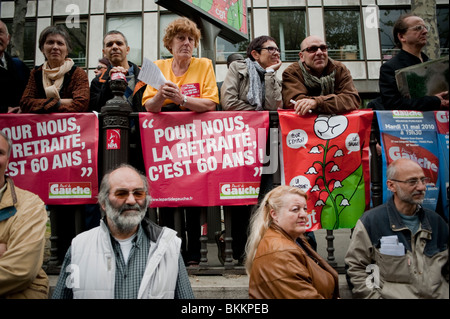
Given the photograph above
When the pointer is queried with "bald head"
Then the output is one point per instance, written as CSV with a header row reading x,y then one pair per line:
x,y
314,54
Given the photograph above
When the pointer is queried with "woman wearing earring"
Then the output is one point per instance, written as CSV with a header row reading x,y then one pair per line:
x,y
280,262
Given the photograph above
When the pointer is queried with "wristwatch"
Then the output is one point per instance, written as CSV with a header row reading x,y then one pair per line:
x,y
184,100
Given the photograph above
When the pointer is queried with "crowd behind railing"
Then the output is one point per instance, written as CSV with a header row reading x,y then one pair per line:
x,y
316,84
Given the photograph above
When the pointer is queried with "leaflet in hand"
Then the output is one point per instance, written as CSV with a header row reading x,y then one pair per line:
x,y
151,74
391,246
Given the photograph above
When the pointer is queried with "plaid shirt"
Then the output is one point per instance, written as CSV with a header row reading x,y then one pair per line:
x,y
128,276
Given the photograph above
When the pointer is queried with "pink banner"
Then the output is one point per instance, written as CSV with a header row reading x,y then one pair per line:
x,y
54,155
203,159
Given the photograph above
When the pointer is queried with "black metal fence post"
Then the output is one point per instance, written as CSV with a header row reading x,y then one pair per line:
x,y
115,127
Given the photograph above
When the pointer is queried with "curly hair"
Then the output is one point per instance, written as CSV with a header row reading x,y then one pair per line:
x,y
181,25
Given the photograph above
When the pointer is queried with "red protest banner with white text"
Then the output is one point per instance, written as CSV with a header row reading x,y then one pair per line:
x,y
54,155
328,157
203,159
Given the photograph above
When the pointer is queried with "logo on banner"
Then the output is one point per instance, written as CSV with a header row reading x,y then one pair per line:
x,y
239,190
70,190
112,139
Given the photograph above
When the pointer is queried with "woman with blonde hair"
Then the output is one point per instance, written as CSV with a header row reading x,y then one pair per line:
x,y
280,262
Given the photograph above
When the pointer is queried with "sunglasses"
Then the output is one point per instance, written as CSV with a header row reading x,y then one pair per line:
x,y
124,193
99,67
314,48
271,49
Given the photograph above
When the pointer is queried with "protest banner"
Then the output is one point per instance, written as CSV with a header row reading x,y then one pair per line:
x,y
54,155
327,156
411,134
203,159
442,126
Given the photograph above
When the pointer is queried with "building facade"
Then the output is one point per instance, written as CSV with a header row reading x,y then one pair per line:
x,y
358,32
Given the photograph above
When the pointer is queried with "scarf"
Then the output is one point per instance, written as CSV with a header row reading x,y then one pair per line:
x,y
52,79
256,87
325,83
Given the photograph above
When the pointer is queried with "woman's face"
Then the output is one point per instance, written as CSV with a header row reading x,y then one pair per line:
x,y
292,217
269,55
182,46
55,50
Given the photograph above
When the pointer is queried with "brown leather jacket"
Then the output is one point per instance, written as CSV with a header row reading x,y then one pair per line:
x,y
284,270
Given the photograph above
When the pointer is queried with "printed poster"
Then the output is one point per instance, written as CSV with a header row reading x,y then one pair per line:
x,y
327,156
203,159
442,126
411,134
54,155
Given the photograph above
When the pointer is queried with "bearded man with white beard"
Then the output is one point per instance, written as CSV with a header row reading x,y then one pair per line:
x,y
400,249
127,256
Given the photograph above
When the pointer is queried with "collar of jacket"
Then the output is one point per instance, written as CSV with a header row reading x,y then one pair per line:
x,y
9,201
408,56
396,221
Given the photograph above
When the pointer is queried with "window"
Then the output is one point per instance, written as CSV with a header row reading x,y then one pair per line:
x,y
131,27
224,48
78,42
387,20
343,34
29,42
288,27
442,22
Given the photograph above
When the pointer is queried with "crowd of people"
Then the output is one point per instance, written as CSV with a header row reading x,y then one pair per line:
x,y
129,256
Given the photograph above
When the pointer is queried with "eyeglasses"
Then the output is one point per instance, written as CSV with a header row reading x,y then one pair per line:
x,y
99,67
414,181
419,28
124,193
314,48
271,49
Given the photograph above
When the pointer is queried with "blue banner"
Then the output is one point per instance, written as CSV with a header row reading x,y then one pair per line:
x,y
442,124
413,135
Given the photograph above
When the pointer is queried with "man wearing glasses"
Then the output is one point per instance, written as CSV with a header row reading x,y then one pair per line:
x,y
400,249
127,256
410,35
318,83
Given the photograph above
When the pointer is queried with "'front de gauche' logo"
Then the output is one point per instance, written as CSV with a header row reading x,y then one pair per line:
x,y
239,190
70,190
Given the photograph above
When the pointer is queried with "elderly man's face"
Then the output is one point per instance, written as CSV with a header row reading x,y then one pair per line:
x,y
126,204
314,54
4,38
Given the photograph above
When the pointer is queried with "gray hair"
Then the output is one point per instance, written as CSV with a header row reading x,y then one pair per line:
x,y
8,140
105,184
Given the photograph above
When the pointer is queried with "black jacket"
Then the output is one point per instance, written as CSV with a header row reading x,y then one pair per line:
x,y
391,96
12,82
101,92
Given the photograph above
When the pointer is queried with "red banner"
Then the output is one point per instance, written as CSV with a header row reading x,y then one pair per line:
x,y
54,155
203,159
328,157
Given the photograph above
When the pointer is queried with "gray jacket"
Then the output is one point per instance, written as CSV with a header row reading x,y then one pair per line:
x,y
422,272
233,93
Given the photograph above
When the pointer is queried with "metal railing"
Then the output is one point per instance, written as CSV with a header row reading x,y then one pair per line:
x,y
116,114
